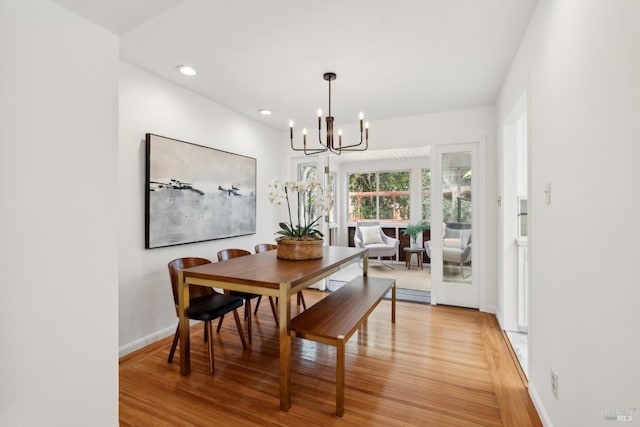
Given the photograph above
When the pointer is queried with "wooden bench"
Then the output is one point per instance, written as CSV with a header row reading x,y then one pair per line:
x,y
335,318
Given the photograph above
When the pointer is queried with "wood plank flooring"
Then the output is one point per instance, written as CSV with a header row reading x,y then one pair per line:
x,y
438,366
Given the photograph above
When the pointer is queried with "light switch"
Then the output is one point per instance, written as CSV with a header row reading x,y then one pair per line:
x,y
547,193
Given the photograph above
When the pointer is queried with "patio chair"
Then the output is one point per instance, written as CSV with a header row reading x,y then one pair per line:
x,y
369,235
456,245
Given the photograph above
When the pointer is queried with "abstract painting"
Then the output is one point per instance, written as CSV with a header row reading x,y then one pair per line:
x,y
196,193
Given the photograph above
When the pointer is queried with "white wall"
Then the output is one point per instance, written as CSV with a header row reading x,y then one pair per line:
x,y
581,63
58,168
151,104
450,127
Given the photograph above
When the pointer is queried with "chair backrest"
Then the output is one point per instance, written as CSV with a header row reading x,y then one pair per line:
x,y
364,224
227,254
180,264
458,231
264,247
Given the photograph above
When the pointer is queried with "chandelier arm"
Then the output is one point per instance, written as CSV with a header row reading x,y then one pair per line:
x,y
352,147
320,139
314,151
308,151
294,148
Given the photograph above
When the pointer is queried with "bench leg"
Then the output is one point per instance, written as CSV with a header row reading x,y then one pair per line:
x,y
340,362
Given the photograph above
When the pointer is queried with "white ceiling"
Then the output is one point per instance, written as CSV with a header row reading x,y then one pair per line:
x,y
393,59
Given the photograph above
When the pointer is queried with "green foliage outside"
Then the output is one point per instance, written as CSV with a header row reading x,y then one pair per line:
x,y
387,199
456,184
414,229
456,208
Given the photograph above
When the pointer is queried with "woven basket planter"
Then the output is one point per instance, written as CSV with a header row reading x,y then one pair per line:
x,y
299,250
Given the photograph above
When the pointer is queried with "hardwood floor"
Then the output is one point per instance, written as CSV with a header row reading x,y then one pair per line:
x,y
439,366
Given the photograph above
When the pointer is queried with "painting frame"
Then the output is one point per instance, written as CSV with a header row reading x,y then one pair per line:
x,y
195,193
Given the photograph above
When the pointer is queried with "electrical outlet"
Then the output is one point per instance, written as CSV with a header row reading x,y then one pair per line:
x,y
554,384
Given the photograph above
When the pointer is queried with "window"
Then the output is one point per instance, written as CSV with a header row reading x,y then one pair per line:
x,y
362,196
379,195
309,172
425,185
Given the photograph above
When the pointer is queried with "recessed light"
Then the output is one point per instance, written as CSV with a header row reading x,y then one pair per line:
x,y
186,70
264,112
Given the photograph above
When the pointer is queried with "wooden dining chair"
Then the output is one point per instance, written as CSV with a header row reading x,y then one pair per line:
x,y
205,304
264,247
225,255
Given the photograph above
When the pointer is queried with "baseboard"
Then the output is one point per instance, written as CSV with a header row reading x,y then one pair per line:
x,y
499,317
514,357
537,402
146,340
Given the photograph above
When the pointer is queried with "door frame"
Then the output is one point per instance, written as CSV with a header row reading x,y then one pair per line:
x,y
450,293
508,291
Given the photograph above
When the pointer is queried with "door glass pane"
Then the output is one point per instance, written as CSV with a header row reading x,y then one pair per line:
x,y
456,214
307,172
426,195
425,192
332,184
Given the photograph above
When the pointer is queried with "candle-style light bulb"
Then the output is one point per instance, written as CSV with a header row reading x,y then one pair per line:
x,y
291,129
304,136
340,137
319,112
366,130
319,120
361,116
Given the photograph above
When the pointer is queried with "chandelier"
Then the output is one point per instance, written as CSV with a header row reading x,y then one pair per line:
x,y
330,143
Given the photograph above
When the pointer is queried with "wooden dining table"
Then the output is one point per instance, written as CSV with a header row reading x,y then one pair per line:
x,y
264,274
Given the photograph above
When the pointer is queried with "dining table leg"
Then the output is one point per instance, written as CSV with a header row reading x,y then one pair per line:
x,y
284,309
365,264
183,306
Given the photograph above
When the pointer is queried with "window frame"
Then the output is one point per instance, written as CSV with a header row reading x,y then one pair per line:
x,y
377,191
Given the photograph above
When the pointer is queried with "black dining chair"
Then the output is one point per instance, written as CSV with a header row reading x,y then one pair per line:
x,y
205,304
264,247
225,255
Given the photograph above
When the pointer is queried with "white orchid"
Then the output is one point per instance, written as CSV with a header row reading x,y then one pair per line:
x,y
310,194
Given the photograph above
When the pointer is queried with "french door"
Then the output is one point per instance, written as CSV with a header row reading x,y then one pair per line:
x,y
455,225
